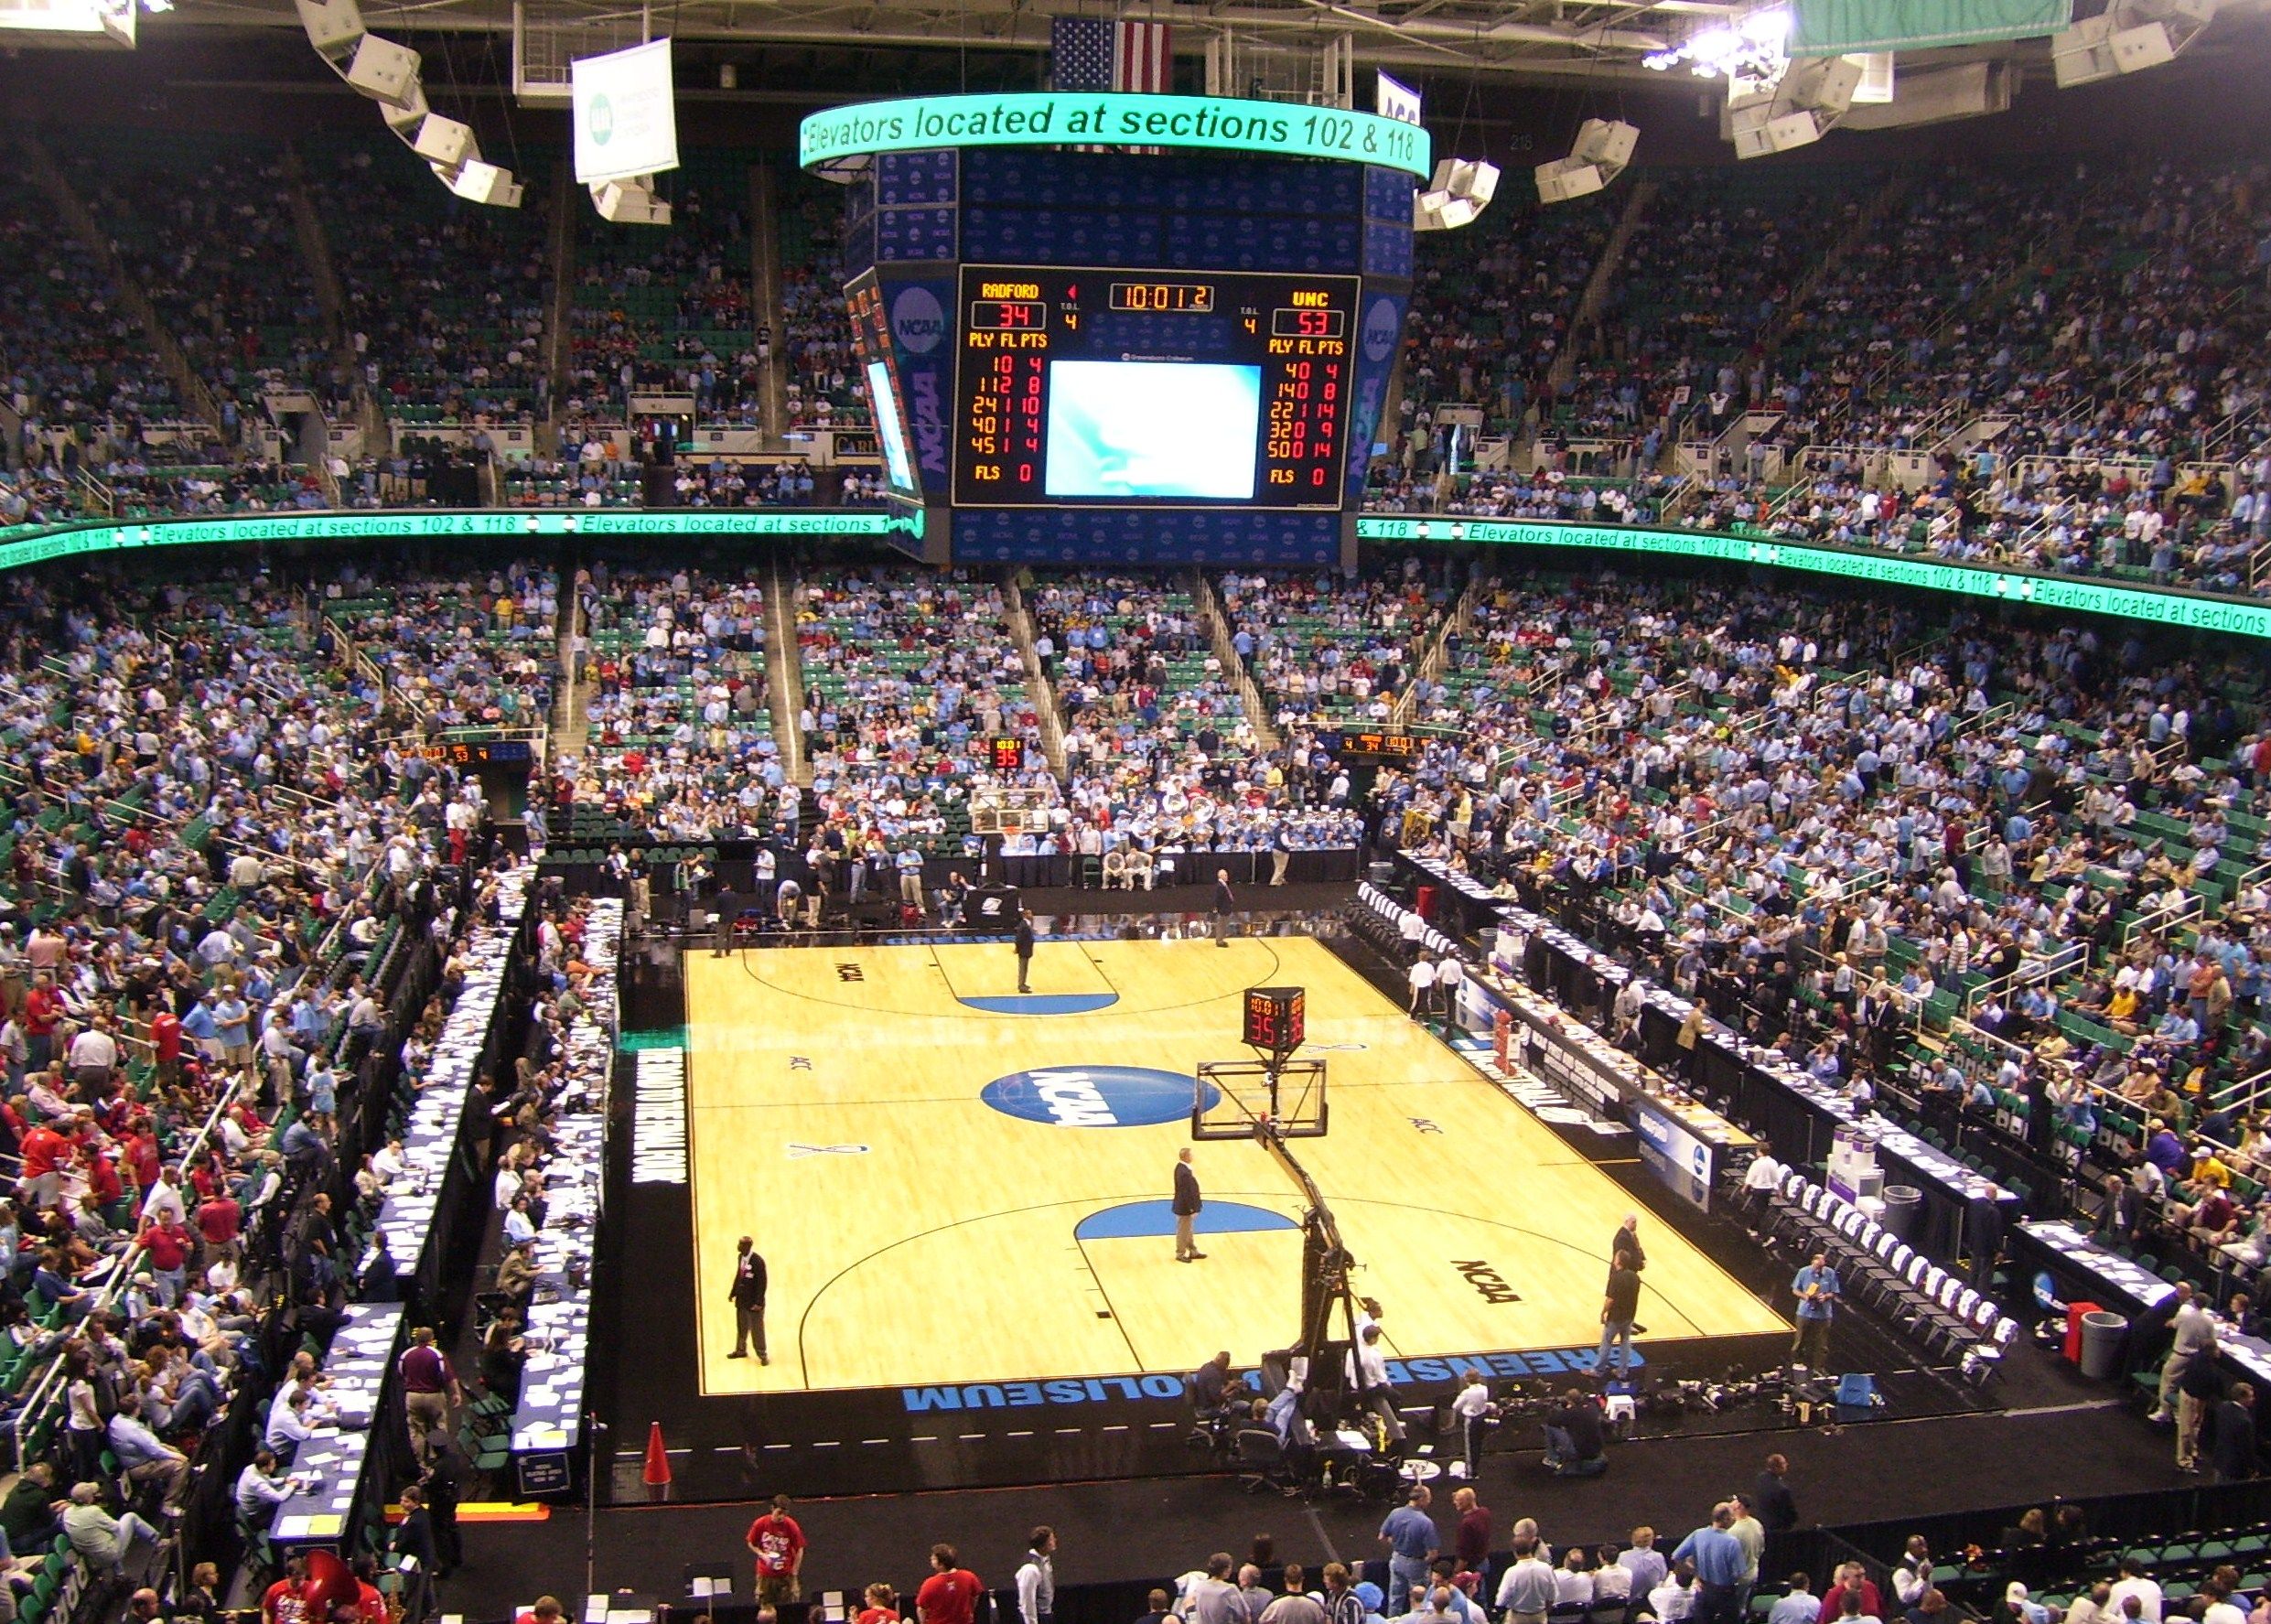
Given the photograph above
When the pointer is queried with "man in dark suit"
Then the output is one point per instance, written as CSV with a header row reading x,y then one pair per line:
x,y
1187,1205
749,1302
1024,941
1778,1507
2233,1453
1224,905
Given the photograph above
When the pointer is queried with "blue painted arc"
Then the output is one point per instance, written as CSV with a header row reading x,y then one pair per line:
x,y
1041,1003
1148,1220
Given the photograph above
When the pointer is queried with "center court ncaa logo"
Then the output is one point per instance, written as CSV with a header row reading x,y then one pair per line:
x,y
917,320
1094,1096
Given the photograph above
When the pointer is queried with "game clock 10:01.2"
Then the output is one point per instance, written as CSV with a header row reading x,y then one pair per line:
x,y
1118,387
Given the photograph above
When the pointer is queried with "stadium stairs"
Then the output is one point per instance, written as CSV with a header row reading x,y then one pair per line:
x,y
40,165
765,278
1595,298
1218,634
784,673
1036,679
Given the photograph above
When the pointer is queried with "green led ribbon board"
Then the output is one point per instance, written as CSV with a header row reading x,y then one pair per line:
x,y
29,544
1067,118
2055,592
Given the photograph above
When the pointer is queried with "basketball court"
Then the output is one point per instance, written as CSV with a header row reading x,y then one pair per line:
x,y
951,1182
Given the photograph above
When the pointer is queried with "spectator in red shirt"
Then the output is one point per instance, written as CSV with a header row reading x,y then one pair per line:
x,y
882,1605
778,1545
950,1595
43,1008
48,1151
167,1244
221,1224
166,1045
545,1611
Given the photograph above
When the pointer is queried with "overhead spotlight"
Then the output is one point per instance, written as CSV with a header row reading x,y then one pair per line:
x,y
1601,153
1459,190
2127,37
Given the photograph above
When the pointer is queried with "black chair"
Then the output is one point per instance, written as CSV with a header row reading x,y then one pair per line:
x,y
1262,1460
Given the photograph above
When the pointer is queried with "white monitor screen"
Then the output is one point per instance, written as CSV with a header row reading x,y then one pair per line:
x,y
1146,429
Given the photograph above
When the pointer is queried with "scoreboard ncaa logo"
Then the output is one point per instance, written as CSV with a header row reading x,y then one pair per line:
x,y
917,320
1379,330
1093,1096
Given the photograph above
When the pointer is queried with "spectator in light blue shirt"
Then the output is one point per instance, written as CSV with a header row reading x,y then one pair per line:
x,y
1721,1563
1801,1605
1412,1541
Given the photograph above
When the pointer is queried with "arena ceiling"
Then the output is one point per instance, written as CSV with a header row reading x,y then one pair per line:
x,y
1542,41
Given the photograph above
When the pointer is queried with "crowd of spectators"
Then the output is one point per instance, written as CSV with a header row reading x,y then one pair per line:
x,y
227,941
1333,652
1836,828
669,311
206,234
445,304
909,678
681,729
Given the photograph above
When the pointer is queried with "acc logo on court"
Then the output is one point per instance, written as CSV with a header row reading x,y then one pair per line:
x,y
1093,1096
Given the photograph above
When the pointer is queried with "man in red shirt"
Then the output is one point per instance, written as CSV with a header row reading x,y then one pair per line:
x,y
221,1221
287,1600
166,1246
43,1008
545,1611
778,1545
950,1595
166,1045
47,1150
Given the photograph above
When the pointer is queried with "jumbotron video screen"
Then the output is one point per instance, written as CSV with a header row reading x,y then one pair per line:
x,y
1170,389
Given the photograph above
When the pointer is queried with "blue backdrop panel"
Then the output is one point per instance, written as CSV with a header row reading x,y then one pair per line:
x,y
1377,336
1154,536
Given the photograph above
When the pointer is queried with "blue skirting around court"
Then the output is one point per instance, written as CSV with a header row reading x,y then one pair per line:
x,y
1143,1219
1043,1003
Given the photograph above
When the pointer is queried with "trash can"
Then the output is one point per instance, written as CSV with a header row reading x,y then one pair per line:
x,y
1423,903
1903,1202
2075,1314
1383,875
2102,1334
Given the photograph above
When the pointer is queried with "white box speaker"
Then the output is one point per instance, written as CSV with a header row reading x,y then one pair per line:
x,y
1606,142
2135,49
333,25
1565,179
383,71
444,142
1776,135
486,183
404,119
1828,87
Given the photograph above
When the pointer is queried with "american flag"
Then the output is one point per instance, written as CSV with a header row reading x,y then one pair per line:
x,y
1100,54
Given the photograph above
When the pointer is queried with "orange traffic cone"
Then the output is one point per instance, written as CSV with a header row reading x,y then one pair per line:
x,y
658,1471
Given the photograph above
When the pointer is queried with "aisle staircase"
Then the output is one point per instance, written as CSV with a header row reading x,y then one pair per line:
x,y
765,283
1217,623
41,167
784,672
1595,298
315,248
1037,683
559,314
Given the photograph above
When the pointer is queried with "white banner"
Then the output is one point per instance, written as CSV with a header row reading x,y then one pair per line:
x,y
1397,101
625,116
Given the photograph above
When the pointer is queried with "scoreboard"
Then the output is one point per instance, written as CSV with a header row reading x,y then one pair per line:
x,y
1117,388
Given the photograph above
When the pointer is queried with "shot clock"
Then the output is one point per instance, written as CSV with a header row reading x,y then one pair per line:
x,y
1119,387
1276,1019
